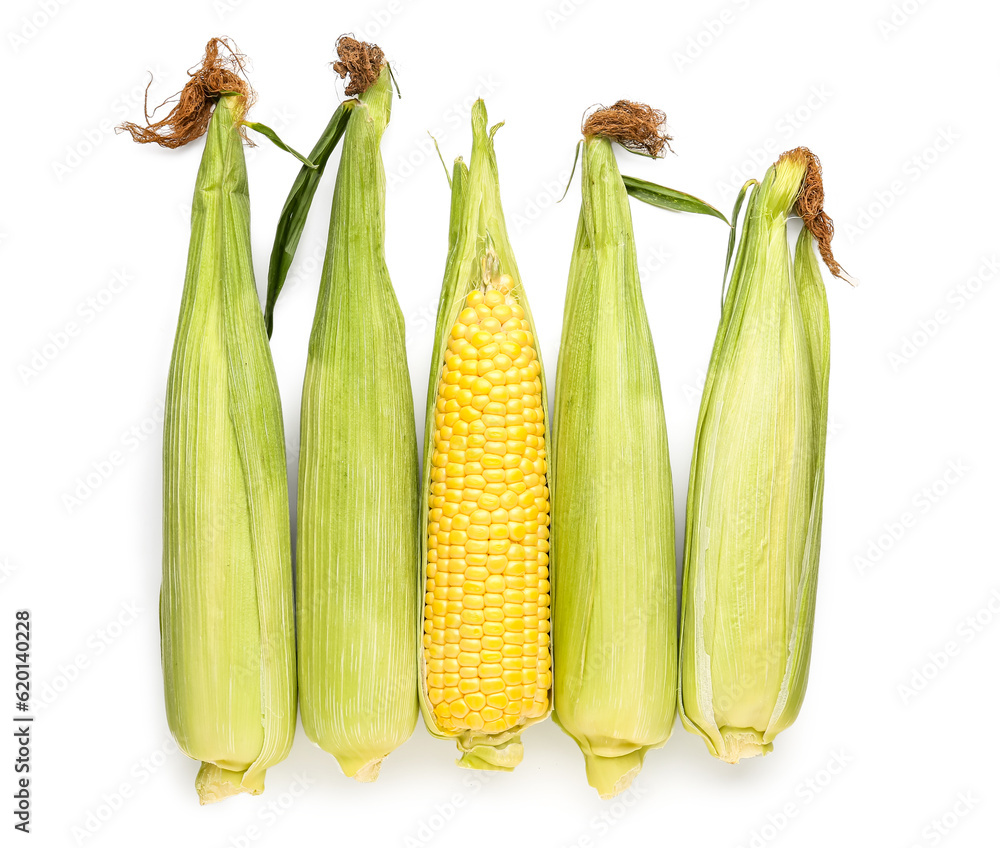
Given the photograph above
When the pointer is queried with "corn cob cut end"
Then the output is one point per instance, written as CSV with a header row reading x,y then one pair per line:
x,y
216,784
742,743
362,772
490,753
611,776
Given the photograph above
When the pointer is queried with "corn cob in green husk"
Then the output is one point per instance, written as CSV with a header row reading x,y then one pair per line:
x,y
226,618
485,665
755,501
357,499
614,613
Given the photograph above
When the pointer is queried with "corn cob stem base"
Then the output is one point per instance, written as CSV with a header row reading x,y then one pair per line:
x,y
216,784
611,776
365,773
742,743
489,753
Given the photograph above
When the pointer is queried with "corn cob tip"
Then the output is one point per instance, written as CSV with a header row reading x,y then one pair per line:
x,y
484,753
809,205
368,773
611,776
215,784
359,59
222,71
635,126
742,744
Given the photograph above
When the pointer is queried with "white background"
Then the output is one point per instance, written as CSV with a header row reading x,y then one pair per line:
x,y
899,101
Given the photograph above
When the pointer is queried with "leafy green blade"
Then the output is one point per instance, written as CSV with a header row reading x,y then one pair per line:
x,y
669,198
293,214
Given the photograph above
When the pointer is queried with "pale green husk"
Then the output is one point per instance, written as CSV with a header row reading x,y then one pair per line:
x,y
477,230
226,617
613,522
357,594
755,497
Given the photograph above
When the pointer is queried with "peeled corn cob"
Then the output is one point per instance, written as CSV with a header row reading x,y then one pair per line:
x,y
226,602
357,520
613,521
755,498
485,661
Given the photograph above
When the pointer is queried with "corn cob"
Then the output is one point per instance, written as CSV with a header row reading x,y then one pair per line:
x,y
226,602
357,520
755,496
613,521
485,662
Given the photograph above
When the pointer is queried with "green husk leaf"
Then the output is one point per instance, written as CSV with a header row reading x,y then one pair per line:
x,y
297,204
226,613
755,496
357,521
737,206
669,198
268,133
614,613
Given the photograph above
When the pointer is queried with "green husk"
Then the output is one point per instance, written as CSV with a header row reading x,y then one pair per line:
x,y
357,522
755,496
477,232
614,615
226,614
